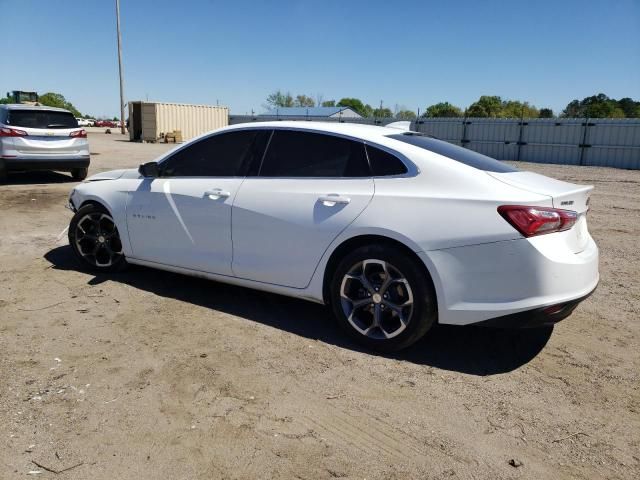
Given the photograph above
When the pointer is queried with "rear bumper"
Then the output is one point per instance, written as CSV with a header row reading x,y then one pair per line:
x,y
538,317
511,280
44,163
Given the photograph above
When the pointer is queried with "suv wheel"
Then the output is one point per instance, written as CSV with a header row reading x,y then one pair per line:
x,y
79,173
382,298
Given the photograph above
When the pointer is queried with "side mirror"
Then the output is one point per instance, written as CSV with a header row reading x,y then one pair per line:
x,y
149,170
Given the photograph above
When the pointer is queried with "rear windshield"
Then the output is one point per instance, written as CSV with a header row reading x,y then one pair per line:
x,y
41,119
459,154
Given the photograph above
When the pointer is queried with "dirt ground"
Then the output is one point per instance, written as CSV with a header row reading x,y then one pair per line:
x,y
152,375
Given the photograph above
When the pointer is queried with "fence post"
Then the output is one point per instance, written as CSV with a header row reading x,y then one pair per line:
x,y
520,135
464,139
584,145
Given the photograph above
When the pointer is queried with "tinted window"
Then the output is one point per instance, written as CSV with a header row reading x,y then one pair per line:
x,y
224,155
383,163
459,154
41,119
305,154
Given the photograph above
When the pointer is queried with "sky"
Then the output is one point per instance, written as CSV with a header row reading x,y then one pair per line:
x,y
411,53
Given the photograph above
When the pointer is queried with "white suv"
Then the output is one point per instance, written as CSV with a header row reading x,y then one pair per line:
x,y
42,138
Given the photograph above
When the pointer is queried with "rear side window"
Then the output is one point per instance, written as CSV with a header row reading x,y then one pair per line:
x,y
41,119
384,164
454,152
223,155
307,154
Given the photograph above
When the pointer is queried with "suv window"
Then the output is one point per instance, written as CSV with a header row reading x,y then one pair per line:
x,y
308,154
41,119
454,152
383,163
222,155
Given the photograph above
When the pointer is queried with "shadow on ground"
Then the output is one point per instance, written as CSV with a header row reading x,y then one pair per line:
x,y
471,350
29,178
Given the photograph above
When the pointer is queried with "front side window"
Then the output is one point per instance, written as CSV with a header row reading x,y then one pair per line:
x,y
41,119
222,155
308,154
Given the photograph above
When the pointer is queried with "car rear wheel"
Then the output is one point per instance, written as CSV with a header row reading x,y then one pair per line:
x,y
95,239
79,173
382,298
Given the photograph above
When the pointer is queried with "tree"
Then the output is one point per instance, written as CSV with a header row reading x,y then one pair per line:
x,y
304,101
405,115
546,113
382,113
630,107
279,99
486,106
355,104
6,100
517,109
442,109
329,103
51,99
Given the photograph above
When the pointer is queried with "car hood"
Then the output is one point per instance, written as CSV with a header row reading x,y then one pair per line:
x,y
114,175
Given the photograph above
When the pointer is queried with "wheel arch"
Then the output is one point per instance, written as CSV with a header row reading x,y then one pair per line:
x,y
95,202
357,241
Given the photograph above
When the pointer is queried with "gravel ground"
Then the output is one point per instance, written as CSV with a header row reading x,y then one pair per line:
x,y
153,375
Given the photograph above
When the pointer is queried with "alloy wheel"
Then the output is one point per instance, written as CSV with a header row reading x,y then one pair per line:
x,y
97,239
377,299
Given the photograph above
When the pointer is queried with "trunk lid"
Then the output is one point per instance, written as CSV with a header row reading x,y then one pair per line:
x,y
564,195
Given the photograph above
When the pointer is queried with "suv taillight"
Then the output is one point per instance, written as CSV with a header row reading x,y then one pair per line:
x,y
12,132
531,221
82,133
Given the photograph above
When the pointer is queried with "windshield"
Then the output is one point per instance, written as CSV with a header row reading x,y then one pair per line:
x,y
454,152
41,119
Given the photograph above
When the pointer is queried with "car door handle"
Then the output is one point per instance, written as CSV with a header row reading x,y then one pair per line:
x,y
217,193
333,199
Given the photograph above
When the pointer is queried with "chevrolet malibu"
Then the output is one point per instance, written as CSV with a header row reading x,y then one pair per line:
x,y
393,230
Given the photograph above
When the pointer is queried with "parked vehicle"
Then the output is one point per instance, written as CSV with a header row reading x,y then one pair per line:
x,y
106,123
394,230
84,122
42,138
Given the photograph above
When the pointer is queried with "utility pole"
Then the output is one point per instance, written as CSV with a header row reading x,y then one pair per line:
x,y
122,129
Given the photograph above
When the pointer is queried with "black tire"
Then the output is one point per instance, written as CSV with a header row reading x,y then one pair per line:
x,y
79,173
3,175
95,240
409,282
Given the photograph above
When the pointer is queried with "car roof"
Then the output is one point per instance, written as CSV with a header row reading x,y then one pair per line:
x,y
358,130
22,106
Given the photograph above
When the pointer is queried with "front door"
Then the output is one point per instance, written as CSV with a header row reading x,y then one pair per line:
x,y
183,218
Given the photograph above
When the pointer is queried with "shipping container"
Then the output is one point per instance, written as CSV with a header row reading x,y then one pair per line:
x,y
150,121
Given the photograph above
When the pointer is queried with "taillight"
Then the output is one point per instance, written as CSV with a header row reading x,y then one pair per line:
x,y
531,221
12,132
82,133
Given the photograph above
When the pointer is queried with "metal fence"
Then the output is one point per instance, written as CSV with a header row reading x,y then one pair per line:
x,y
604,142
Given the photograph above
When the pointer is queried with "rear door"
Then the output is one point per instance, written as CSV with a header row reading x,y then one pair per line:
x,y
47,133
310,187
183,218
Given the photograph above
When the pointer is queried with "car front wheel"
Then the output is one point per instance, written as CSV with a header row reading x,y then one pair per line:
x,y
382,298
95,239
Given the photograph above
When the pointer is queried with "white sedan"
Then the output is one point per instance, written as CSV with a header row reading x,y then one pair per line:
x,y
393,230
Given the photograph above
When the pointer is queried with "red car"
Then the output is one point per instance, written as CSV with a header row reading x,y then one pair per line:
x,y
106,123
